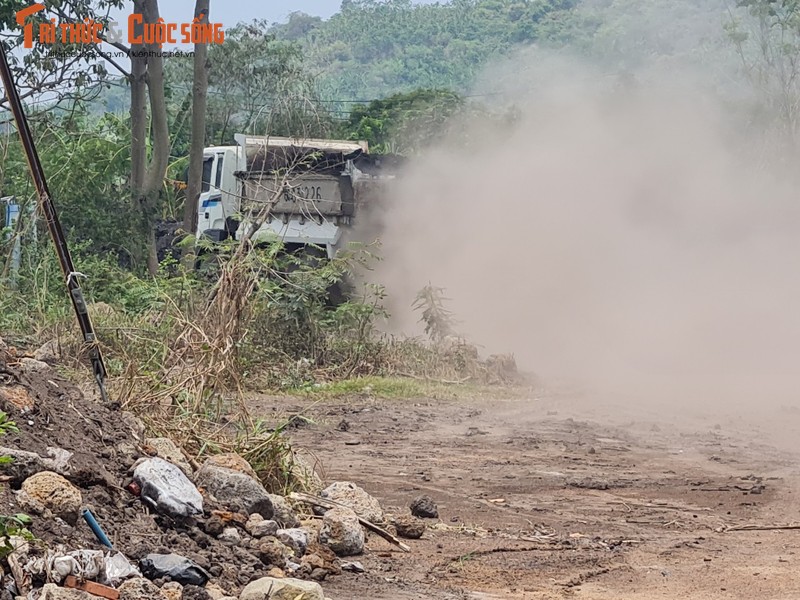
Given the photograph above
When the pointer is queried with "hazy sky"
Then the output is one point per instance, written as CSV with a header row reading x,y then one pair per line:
x,y
229,13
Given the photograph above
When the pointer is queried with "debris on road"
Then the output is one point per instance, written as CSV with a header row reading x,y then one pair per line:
x,y
424,507
175,567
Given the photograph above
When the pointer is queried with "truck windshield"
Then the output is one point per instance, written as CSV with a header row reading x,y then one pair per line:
x,y
208,163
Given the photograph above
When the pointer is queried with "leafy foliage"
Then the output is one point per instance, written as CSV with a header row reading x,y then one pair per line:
x,y
257,84
16,525
404,122
87,161
438,320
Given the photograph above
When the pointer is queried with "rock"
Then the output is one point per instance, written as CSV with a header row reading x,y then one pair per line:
x,y
276,573
167,450
353,567
214,526
356,499
273,552
172,590
303,475
19,397
235,490
296,539
31,366
313,561
271,588
48,491
342,532
283,512
140,588
51,591
424,507
57,460
194,592
215,592
26,464
133,423
503,367
166,489
230,535
319,574
259,527
408,526
231,461
49,352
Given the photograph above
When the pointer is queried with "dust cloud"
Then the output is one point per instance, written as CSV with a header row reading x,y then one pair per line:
x,y
633,234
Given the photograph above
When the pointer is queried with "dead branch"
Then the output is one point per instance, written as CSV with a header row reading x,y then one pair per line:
x,y
762,528
660,506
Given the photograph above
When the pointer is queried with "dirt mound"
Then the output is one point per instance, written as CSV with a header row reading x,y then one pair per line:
x,y
55,420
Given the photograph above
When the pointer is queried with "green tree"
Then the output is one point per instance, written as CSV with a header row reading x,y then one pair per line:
x,y
404,123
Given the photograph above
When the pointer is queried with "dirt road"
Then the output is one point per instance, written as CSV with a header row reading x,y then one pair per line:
x,y
552,497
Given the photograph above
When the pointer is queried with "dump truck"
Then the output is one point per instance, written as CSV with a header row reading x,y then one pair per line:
x,y
304,192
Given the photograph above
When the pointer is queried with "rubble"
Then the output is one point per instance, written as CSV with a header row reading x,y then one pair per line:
x,y
341,532
166,489
231,461
409,526
26,464
283,513
424,507
172,590
296,539
269,588
273,553
166,449
230,535
49,492
139,588
353,497
235,490
259,527
51,591
177,533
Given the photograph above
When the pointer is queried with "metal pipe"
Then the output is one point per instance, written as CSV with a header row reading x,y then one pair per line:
x,y
53,224
95,527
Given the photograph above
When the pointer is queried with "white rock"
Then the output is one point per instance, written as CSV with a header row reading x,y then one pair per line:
x,y
234,489
296,539
356,499
167,450
269,588
342,532
166,489
259,527
230,535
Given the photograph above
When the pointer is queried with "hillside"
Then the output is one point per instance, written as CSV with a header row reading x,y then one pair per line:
x,y
375,48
